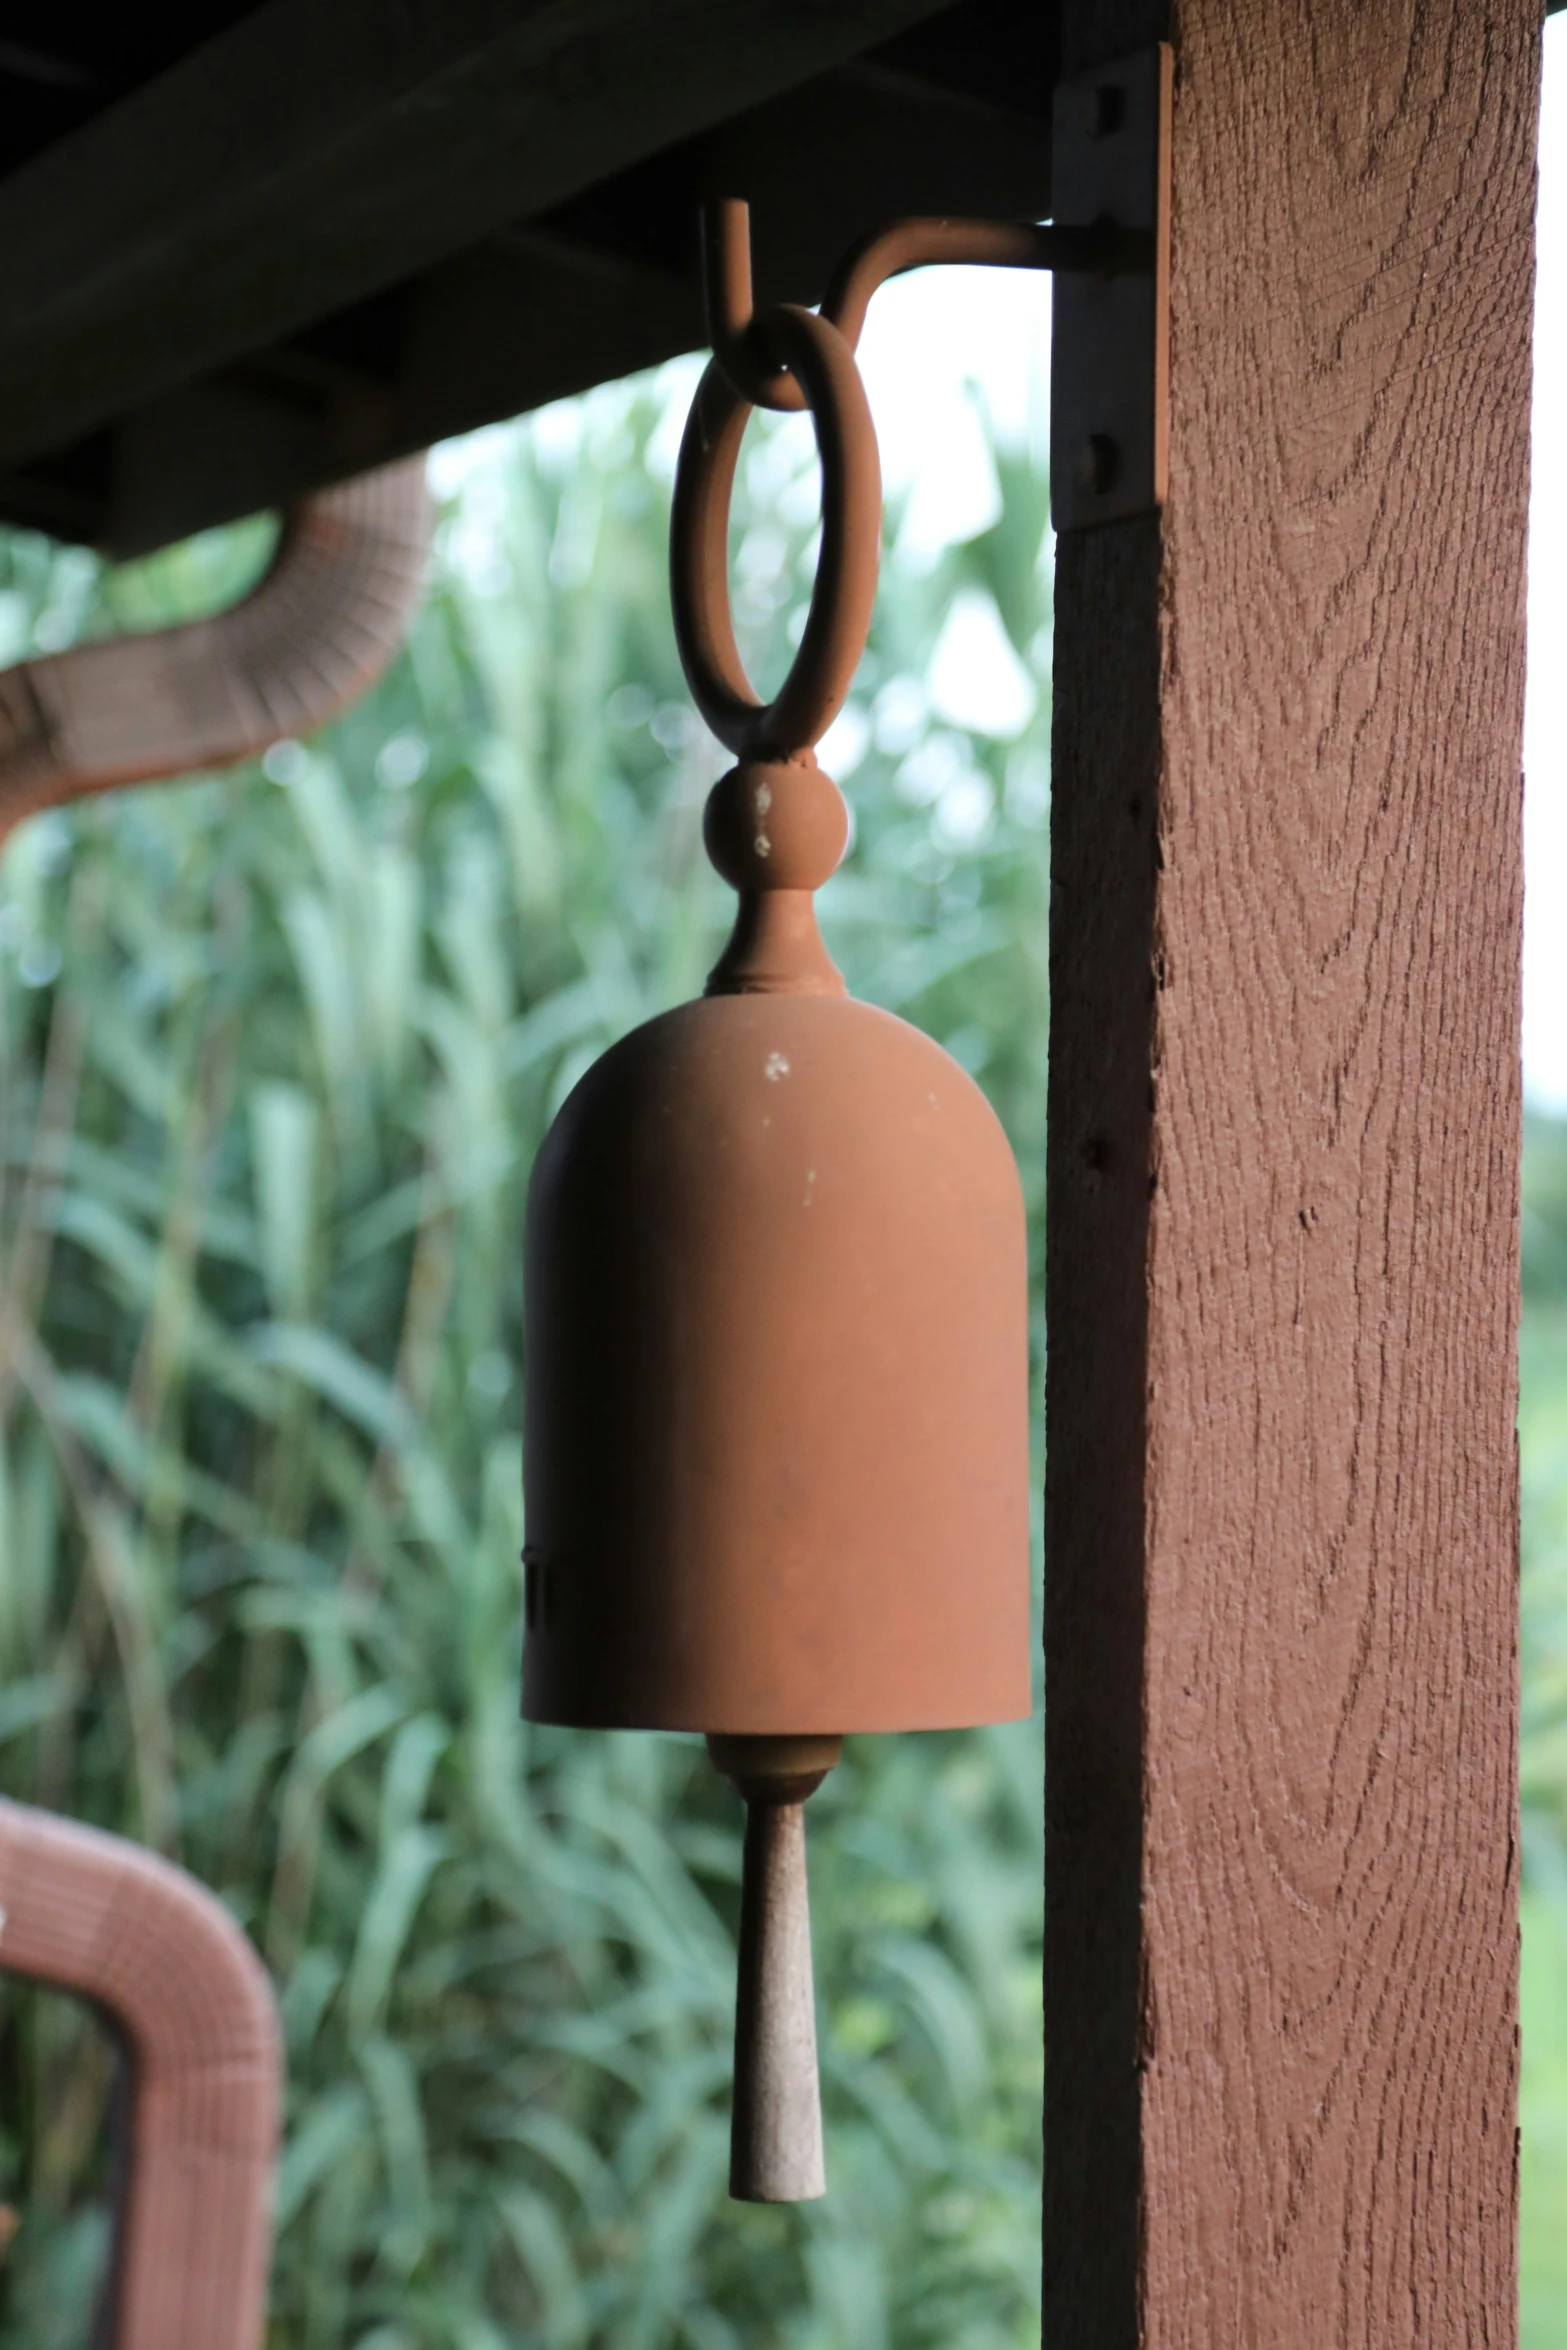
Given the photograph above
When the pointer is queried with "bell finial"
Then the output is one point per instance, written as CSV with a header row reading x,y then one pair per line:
x,y
776,829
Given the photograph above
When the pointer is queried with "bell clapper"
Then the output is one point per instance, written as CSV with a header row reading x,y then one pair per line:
x,y
775,2151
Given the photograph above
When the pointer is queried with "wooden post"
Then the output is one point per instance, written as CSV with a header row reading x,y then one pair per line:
x,y
1281,1873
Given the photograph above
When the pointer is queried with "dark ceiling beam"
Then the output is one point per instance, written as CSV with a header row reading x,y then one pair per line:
x,y
593,289
821,165
323,149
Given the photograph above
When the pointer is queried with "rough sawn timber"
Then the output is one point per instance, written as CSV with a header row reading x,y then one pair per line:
x,y
1281,1520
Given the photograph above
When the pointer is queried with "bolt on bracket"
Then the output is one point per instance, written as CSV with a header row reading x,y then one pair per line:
x,y
1110,377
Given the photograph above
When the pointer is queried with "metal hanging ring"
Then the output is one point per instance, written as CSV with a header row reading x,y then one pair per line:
x,y
822,364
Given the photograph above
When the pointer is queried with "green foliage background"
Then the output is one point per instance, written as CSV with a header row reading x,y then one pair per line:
x,y
1542,1429
276,1051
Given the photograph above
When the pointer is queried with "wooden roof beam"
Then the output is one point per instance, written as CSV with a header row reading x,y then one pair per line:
x,y
321,150
544,306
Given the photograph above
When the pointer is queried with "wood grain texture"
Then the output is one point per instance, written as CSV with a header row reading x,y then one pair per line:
x,y
1282,1515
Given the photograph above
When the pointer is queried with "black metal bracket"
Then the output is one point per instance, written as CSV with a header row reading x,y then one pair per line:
x,y
1109,389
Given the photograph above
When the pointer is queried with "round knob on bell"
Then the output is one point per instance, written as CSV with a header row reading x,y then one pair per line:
x,y
776,830
775,824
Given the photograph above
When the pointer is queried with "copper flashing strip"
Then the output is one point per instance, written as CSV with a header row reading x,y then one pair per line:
x,y
160,1955
320,628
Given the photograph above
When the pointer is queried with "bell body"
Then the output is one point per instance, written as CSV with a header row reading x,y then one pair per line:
x,y
776,1441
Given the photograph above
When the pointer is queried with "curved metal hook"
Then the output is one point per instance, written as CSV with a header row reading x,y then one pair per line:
x,y
751,360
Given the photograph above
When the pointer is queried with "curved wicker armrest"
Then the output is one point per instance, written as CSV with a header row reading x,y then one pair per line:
x,y
167,1964
318,629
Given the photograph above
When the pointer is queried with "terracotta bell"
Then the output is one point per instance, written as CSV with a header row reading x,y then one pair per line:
x,y
776,1315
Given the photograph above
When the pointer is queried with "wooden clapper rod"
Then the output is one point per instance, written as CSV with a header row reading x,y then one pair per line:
x,y
775,2150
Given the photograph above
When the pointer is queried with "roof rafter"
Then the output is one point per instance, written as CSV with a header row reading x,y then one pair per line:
x,y
322,149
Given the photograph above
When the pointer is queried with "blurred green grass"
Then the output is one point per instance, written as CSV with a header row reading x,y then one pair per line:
x,y
276,1051
1542,1444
